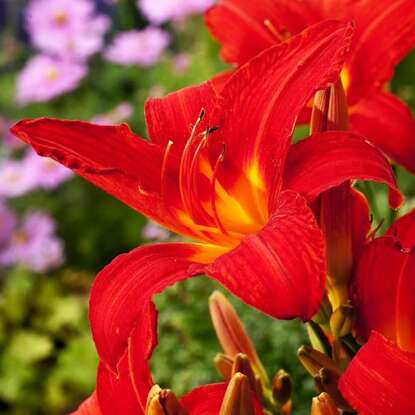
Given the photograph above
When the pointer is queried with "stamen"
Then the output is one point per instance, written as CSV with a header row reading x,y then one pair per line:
x,y
273,30
201,115
211,130
164,168
213,193
371,235
183,172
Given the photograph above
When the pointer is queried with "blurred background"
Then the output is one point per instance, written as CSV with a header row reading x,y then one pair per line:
x,y
99,60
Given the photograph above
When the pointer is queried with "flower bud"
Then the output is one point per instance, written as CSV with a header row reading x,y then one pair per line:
x,y
341,354
313,360
323,405
324,313
334,207
327,380
342,320
242,365
318,338
330,109
223,364
282,387
231,333
238,397
163,402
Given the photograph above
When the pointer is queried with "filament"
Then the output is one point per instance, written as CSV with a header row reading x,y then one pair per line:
x,y
213,195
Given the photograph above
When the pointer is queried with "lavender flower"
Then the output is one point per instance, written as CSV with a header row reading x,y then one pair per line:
x,y
181,62
45,77
120,113
7,223
34,244
160,11
154,232
199,6
7,139
15,179
138,47
47,172
68,28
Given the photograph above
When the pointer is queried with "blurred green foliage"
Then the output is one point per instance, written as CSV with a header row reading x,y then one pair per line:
x,y
47,359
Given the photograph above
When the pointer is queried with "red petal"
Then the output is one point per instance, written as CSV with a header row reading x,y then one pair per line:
x,y
111,157
388,123
141,344
207,400
115,391
361,223
204,400
281,270
403,230
259,117
328,159
384,292
172,117
219,80
122,290
89,407
239,25
380,380
385,34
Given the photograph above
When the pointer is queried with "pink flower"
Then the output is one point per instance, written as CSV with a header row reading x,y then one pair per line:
x,y
162,10
120,113
154,232
44,78
15,179
181,62
48,173
7,139
7,223
138,47
66,27
33,244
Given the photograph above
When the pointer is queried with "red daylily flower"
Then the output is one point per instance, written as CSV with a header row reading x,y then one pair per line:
x,y
381,378
385,285
129,391
385,33
235,186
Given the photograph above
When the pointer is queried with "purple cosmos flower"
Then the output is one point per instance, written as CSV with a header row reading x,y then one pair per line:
x,y
45,77
162,10
154,232
47,172
120,113
7,223
138,47
15,179
34,244
7,139
181,62
68,28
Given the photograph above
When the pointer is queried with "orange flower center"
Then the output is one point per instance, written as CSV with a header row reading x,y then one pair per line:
x,y
214,212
